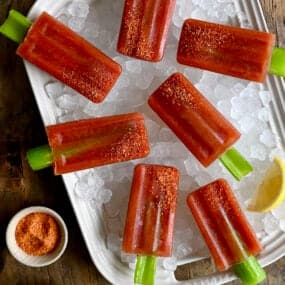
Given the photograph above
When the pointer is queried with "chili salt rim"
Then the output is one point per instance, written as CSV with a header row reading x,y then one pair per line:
x,y
30,260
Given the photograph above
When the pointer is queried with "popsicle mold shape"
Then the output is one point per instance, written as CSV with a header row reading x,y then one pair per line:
x,y
228,235
144,28
150,217
198,124
57,50
225,49
89,143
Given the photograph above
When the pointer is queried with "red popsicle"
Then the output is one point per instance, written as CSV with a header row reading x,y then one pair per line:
x,y
62,53
224,49
195,121
151,212
144,28
150,217
229,237
89,143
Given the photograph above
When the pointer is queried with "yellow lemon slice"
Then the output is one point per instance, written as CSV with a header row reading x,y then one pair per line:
x,y
271,191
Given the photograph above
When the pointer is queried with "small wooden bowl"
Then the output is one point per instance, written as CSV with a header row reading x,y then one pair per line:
x,y
30,260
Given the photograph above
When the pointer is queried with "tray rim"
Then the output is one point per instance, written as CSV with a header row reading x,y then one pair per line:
x,y
276,249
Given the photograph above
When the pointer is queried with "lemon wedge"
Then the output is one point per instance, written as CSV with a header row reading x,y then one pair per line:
x,y
271,191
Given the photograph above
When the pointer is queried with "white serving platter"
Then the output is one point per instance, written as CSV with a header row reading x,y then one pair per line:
x,y
91,221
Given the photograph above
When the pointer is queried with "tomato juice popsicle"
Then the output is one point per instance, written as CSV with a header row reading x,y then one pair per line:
x,y
89,143
198,124
57,50
228,235
150,217
225,49
144,28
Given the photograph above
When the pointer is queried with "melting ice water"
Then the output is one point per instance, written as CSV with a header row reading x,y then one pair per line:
x,y
245,104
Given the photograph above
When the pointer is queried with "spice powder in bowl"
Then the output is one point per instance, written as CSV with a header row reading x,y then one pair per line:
x,y
37,234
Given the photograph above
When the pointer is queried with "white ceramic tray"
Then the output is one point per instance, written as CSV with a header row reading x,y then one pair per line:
x,y
91,222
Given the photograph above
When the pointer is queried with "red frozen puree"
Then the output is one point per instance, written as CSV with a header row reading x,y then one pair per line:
x,y
62,53
93,142
151,211
144,28
195,121
224,49
228,235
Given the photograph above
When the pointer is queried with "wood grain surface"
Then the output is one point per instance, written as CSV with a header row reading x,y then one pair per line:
x,y
21,128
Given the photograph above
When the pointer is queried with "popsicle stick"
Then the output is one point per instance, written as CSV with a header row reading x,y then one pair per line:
x,y
237,165
15,26
249,271
145,270
277,65
40,157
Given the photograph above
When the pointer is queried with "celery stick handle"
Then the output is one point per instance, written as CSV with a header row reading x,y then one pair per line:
x,y
277,65
145,270
249,271
15,26
40,157
237,165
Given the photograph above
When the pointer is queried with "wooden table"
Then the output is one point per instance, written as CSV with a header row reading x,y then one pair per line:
x,y
21,128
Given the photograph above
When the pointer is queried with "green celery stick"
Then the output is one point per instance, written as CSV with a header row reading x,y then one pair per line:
x,y
15,26
145,270
249,271
40,157
277,65
236,163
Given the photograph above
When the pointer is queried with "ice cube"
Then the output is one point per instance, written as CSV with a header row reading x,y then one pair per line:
x,y
230,10
256,220
84,191
54,89
144,80
271,224
165,135
152,128
258,151
170,263
263,114
185,11
237,88
76,23
78,9
192,167
265,97
221,92
113,243
123,81
203,178
134,66
247,123
183,250
103,196
267,138
68,102
193,74
199,14
224,106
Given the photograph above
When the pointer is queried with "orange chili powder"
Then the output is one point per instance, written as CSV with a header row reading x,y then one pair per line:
x,y
37,234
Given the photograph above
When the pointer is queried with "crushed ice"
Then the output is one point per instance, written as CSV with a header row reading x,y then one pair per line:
x,y
245,104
